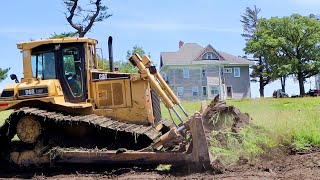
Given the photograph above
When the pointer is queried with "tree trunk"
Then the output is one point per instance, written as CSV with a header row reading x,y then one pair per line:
x,y
261,90
81,34
301,84
261,82
283,83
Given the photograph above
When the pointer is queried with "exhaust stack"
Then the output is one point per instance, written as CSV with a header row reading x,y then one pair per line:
x,y
110,54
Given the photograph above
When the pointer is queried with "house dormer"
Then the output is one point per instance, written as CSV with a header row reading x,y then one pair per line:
x,y
209,53
210,56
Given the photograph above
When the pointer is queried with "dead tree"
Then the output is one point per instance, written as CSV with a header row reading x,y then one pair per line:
x,y
87,16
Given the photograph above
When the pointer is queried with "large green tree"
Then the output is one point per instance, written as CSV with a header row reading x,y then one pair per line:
x,y
260,70
83,16
123,66
127,66
292,43
136,50
250,22
63,35
3,73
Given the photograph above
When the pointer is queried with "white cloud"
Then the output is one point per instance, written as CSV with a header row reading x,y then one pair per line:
x,y
25,33
170,26
8,30
30,30
307,2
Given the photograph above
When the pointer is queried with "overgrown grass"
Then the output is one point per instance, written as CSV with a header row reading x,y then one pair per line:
x,y
247,145
290,122
4,115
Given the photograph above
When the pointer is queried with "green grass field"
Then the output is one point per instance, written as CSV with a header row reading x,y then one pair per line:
x,y
4,115
289,123
293,121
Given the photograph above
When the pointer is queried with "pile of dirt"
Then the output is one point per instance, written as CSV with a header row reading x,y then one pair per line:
x,y
217,112
222,125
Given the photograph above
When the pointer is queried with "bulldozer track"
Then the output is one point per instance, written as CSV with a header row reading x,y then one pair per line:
x,y
8,130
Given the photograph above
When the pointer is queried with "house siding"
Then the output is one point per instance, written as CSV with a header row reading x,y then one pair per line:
x,y
176,79
240,85
317,81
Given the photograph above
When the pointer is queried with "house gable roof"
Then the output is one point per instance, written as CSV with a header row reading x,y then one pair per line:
x,y
191,53
185,55
207,49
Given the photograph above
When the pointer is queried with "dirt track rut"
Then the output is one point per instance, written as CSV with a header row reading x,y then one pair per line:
x,y
304,166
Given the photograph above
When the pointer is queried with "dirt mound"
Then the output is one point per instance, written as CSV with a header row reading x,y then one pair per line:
x,y
217,111
222,125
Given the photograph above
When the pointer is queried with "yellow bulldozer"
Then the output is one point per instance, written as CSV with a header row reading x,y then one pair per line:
x,y
67,110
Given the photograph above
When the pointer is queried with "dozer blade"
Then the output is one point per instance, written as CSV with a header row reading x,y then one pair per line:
x,y
196,155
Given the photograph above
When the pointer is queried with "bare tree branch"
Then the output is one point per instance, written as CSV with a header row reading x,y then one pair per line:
x,y
92,19
89,16
69,18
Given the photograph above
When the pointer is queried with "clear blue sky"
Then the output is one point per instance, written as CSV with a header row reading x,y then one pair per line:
x,y
155,25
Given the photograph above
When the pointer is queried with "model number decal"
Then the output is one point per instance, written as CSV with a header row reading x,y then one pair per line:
x,y
29,92
33,91
103,76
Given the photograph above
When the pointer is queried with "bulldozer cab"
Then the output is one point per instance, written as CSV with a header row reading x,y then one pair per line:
x,y
65,62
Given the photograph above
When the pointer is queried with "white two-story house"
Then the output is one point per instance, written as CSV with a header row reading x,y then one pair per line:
x,y
198,73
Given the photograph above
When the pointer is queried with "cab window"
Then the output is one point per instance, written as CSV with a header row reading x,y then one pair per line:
x,y
43,65
91,57
72,70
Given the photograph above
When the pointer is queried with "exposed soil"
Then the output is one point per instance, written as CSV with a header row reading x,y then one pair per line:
x,y
214,113
297,166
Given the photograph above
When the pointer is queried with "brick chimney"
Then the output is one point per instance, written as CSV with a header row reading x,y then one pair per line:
x,y
180,44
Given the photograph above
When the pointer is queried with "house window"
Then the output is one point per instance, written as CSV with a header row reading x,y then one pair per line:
x,y
214,90
236,72
203,72
185,73
195,90
180,91
204,90
227,70
210,56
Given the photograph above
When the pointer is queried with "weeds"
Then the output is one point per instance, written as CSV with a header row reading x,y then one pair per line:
x,y
229,147
287,122
291,122
307,135
163,167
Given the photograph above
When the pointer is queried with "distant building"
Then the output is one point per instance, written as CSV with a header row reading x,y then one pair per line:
x,y
197,73
317,81
317,77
